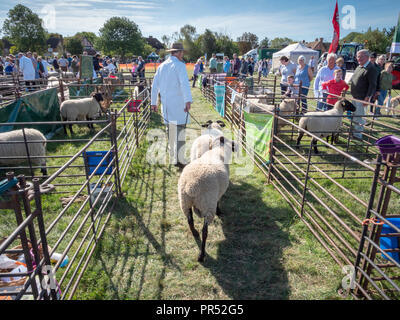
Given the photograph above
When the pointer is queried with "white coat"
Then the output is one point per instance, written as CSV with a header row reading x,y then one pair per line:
x,y
26,67
172,82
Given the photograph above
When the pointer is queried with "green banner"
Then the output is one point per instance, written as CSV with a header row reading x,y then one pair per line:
x,y
259,132
40,106
250,83
200,80
220,99
395,48
86,68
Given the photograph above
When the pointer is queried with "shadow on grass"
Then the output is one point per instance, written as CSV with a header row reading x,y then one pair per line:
x,y
248,264
249,260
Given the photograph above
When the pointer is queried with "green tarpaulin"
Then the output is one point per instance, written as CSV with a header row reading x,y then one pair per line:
x,y
40,106
75,91
259,132
86,68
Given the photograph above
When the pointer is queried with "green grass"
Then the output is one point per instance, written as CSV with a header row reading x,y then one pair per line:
x,y
258,249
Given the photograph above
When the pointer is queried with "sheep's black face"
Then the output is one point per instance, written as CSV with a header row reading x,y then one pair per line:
x,y
99,97
348,106
209,123
221,123
205,125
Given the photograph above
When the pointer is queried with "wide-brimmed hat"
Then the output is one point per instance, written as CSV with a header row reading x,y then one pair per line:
x,y
177,46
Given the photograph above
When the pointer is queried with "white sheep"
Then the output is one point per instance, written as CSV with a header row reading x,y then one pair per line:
x,y
323,124
202,184
286,108
67,75
394,102
36,149
204,143
53,82
81,109
53,74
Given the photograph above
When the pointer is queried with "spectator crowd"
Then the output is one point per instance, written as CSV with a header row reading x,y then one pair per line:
x,y
370,83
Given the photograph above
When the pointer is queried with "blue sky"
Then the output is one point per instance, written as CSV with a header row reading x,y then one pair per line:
x,y
299,20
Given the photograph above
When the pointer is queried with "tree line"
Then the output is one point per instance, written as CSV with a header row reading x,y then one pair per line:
x,y
122,37
119,36
209,42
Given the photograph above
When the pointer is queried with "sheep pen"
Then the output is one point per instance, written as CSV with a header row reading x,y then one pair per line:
x,y
260,249
329,190
82,189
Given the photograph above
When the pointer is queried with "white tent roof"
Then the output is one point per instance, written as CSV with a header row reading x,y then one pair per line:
x,y
251,52
297,48
293,51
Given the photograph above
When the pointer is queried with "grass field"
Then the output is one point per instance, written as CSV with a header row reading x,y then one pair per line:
x,y
257,250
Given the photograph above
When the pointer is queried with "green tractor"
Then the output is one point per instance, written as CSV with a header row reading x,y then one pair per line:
x,y
349,53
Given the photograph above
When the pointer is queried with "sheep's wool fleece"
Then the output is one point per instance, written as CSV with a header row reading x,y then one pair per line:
x,y
202,184
79,109
203,143
321,124
19,149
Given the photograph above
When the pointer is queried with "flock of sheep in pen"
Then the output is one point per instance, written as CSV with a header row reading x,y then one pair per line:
x,y
206,178
12,142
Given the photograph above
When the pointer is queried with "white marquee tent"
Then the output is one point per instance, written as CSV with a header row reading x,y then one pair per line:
x,y
293,51
252,53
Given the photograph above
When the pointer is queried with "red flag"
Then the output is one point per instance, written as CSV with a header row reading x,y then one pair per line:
x,y
336,30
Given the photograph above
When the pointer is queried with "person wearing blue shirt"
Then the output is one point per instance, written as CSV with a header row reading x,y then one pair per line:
x,y
286,69
201,65
324,74
227,64
304,76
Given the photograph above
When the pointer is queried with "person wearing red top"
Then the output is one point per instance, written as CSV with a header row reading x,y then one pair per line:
x,y
334,87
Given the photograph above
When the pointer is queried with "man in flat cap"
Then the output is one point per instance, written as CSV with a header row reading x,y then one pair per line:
x,y
172,83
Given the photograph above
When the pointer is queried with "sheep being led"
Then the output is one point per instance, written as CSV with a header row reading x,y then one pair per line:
x,y
81,109
36,147
204,143
323,124
202,184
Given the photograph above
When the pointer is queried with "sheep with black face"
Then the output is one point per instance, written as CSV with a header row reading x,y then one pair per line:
x,y
202,184
326,123
204,143
81,109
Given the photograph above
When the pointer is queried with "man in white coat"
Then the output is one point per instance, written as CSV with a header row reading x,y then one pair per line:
x,y
27,69
172,83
